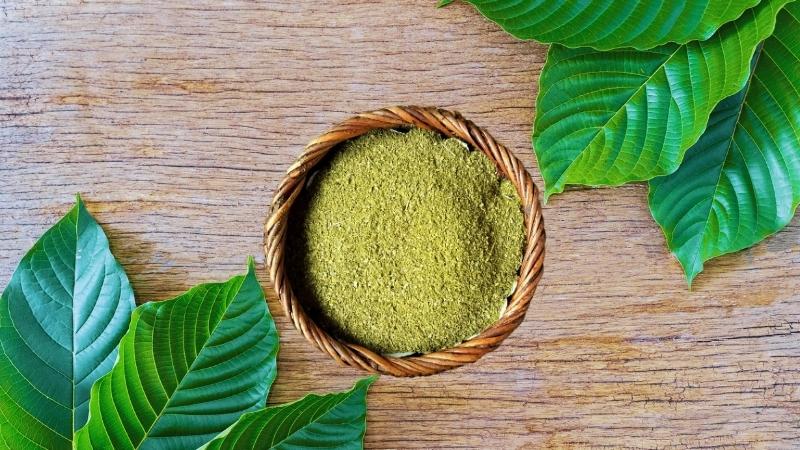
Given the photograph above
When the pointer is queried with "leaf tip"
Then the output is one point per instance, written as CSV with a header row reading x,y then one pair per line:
x,y
551,189
692,266
80,207
547,194
363,384
690,276
443,3
251,264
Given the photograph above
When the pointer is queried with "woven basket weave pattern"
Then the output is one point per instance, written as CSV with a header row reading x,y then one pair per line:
x,y
449,124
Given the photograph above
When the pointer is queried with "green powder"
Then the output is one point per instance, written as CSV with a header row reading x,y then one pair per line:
x,y
405,242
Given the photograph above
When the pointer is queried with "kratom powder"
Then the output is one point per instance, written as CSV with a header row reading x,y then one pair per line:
x,y
405,242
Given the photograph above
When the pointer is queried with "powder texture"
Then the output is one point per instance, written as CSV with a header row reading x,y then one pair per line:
x,y
405,242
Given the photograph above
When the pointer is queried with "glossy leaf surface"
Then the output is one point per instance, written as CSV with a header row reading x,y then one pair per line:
x,y
741,181
331,421
612,24
608,118
61,317
187,369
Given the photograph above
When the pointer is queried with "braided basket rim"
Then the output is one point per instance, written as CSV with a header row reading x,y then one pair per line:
x,y
451,124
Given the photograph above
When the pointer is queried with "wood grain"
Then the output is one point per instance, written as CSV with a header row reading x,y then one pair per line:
x,y
177,120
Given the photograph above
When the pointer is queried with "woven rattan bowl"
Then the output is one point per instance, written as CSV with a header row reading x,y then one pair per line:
x,y
449,124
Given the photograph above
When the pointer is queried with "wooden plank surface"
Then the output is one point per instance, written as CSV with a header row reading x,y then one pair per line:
x,y
176,121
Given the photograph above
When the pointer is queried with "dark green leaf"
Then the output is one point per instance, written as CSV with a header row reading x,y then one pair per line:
x,y
608,118
612,24
332,421
741,181
61,316
187,369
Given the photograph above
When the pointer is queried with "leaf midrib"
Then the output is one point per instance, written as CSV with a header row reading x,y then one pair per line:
x,y
74,353
191,366
759,52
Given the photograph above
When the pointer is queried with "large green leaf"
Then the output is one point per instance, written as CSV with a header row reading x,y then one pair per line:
x,y
741,181
608,118
187,369
332,421
61,316
612,24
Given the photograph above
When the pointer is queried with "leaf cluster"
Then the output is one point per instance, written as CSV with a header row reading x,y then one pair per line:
x,y
700,99
82,367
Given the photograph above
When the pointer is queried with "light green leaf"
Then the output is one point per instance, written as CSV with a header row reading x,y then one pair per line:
x,y
741,181
608,118
187,369
61,316
612,24
332,421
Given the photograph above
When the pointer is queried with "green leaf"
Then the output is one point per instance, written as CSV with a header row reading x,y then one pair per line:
x,y
332,421
187,369
741,181
61,316
612,24
443,3
608,118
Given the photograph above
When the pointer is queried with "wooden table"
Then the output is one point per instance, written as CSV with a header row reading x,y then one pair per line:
x,y
176,123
